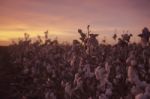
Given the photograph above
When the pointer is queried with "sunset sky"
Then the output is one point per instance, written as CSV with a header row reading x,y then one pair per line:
x,y
62,18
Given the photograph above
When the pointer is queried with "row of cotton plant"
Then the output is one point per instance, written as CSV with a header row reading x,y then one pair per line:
x,y
85,69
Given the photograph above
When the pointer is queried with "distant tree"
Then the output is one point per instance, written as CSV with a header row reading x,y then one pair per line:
x,y
104,40
115,37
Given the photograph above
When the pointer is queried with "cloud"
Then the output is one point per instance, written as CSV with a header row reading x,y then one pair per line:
x,y
13,29
69,15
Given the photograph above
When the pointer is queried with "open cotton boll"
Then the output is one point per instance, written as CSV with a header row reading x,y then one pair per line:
x,y
147,89
50,95
63,83
90,97
102,96
131,56
107,67
132,75
97,73
133,62
100,73
76,77
108,92
49,68
147,92
24,97
79,83
128,60
136,90
26,70
68,90
87,70
139,96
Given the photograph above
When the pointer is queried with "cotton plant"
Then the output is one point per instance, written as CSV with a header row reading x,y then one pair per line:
x,y
50,95
145,35
89,41
102,77
92,44
68,90
132,73
108,67
87,71
101,74
134,78
76,77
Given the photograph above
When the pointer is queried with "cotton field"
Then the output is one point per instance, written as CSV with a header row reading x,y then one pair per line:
x,y
85,69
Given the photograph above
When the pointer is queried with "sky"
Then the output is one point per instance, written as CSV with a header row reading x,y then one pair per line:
x,y
62,18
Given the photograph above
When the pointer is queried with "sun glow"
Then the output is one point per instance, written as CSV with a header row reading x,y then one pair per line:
x,y
63,18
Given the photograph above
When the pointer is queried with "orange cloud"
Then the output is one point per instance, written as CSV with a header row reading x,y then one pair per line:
x,y
63,17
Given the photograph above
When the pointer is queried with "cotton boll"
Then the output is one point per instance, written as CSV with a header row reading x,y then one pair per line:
x,y
87,70
107,67
100,73
79,83
115,81
53,74
136,90
72,61
76,77
131,56
133,62
139,96
102,96
90,97
33,70
50,95
49,68
63,83
128,60
97,73
24,97
118,76
147,91
132,75
108,92
47,95
26,70
68,90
